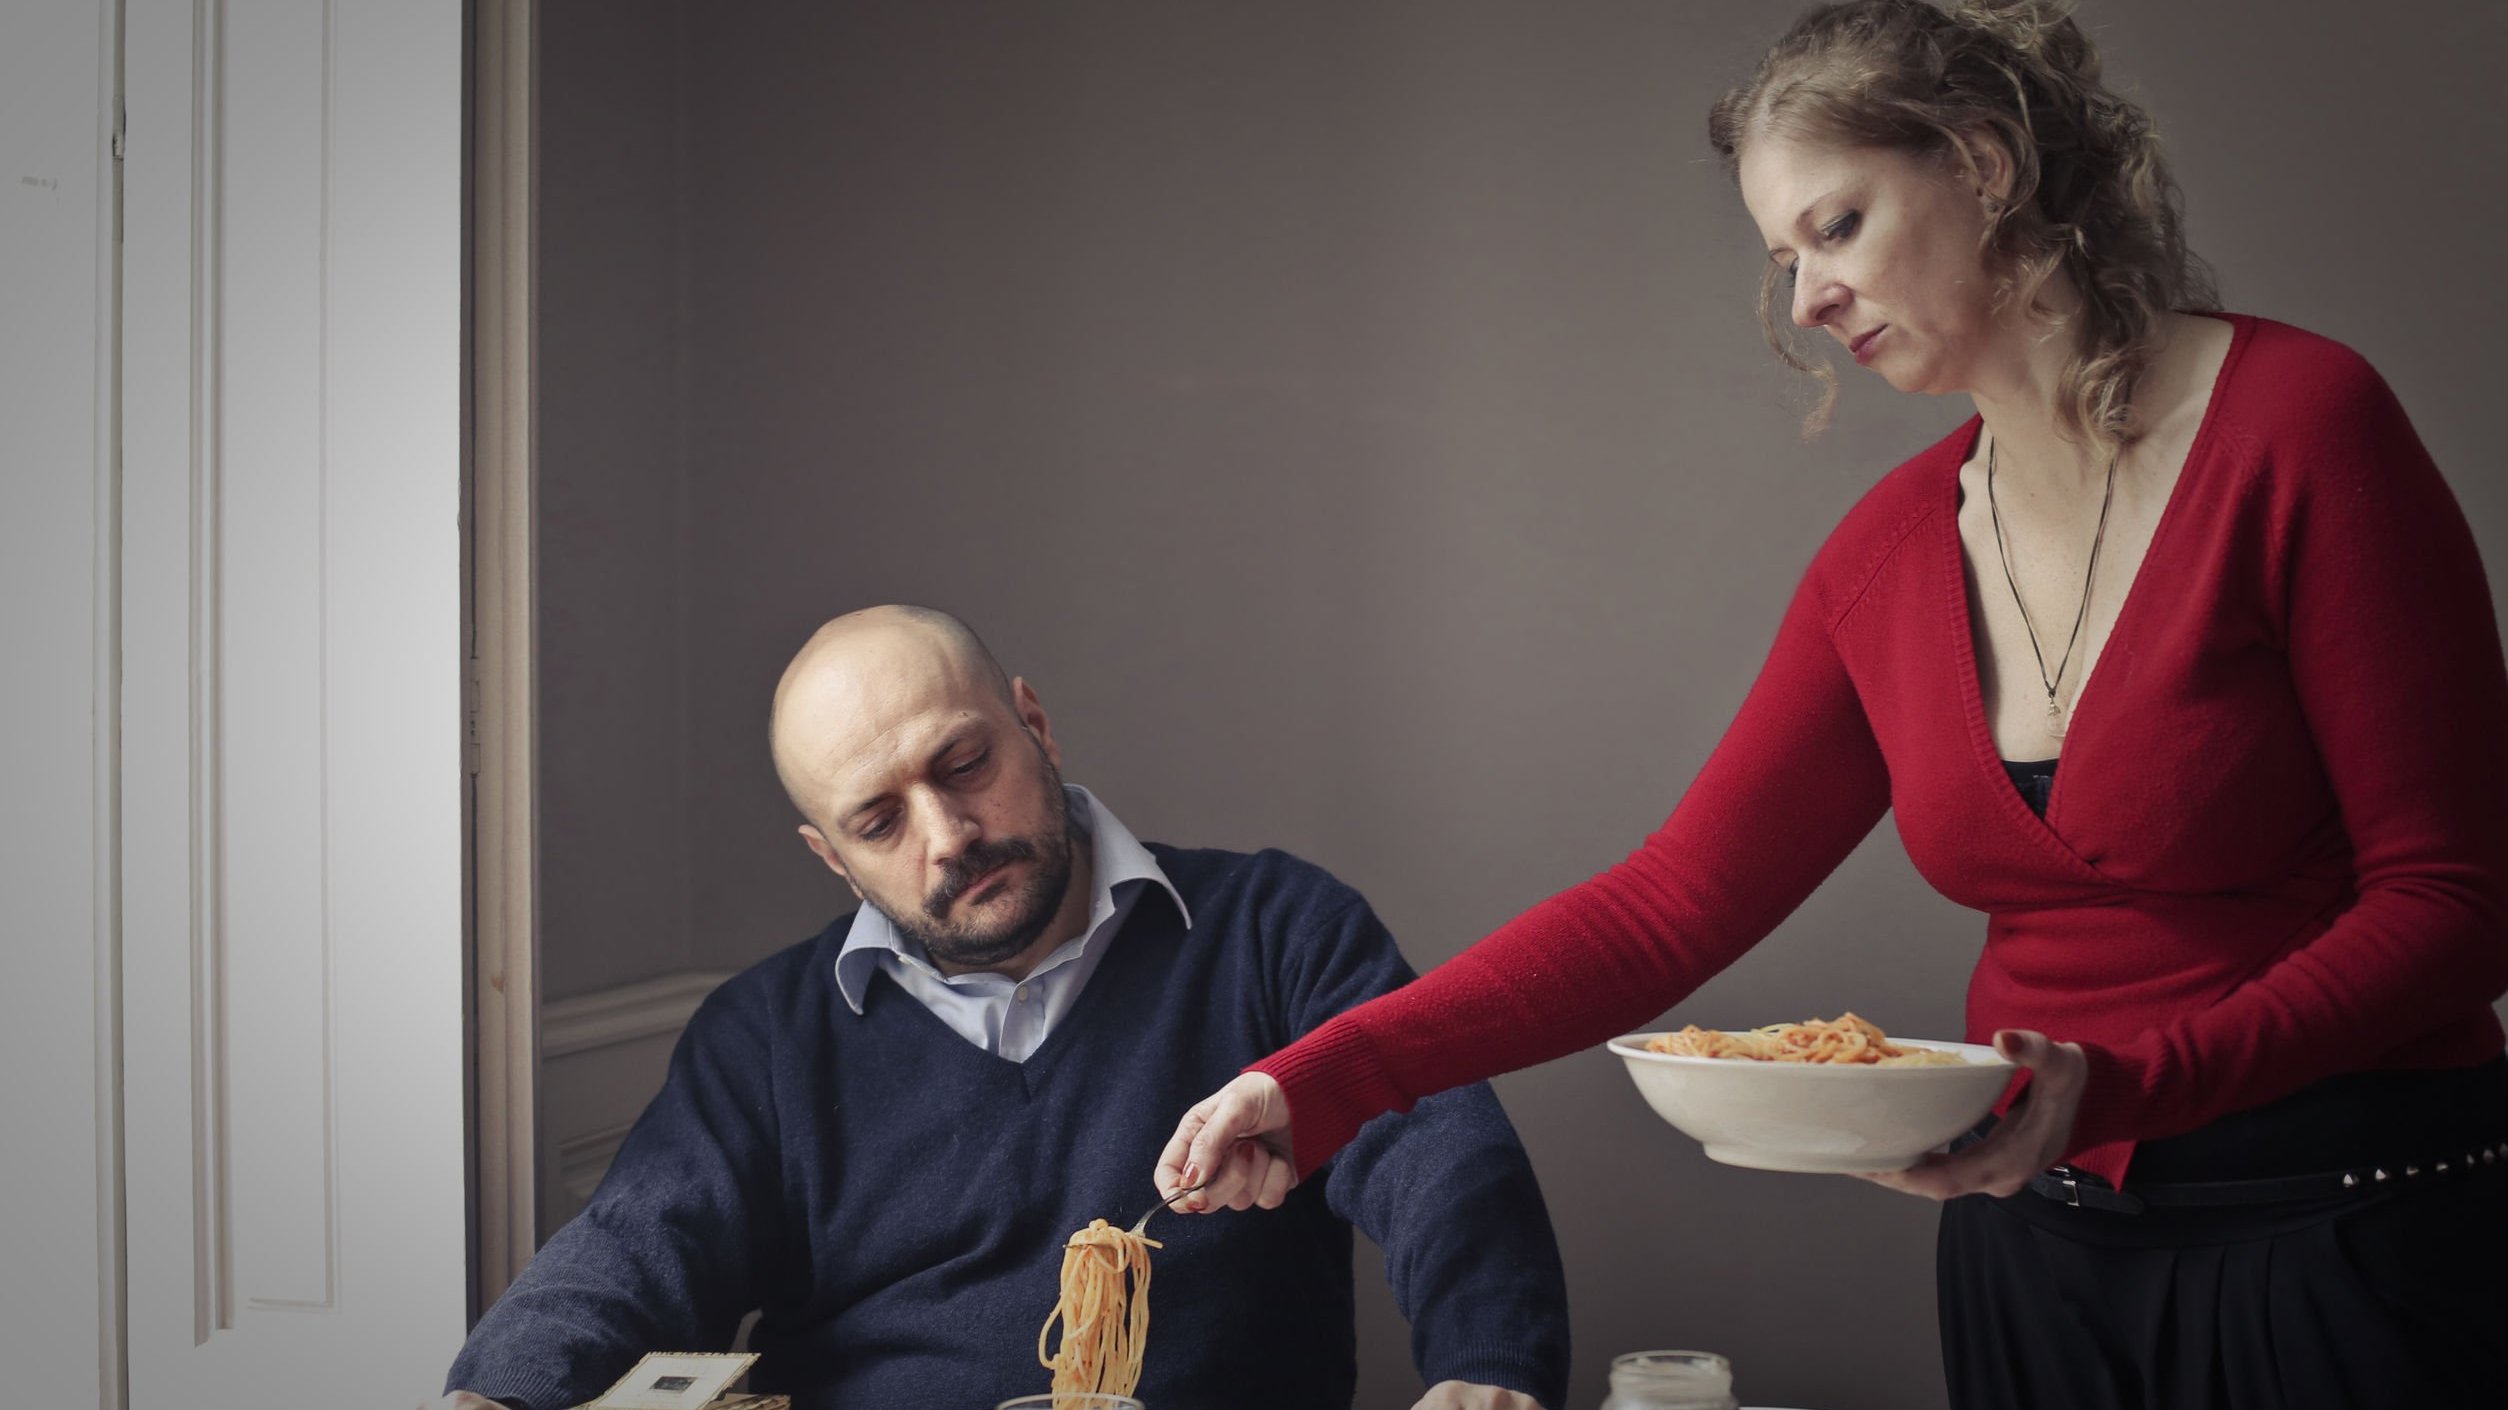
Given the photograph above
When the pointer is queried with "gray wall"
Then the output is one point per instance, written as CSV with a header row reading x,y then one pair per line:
x,y
1351,418
610,538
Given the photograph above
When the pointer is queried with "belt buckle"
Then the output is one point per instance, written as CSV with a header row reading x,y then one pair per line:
x,y
2067,1176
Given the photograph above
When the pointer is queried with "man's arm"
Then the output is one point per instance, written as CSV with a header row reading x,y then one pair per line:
x,y
669,1254
1446,1190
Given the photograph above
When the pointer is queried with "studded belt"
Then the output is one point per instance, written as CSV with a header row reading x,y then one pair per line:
x,y
2067,1185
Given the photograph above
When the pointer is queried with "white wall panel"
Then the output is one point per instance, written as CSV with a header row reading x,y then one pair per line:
x,y
292,745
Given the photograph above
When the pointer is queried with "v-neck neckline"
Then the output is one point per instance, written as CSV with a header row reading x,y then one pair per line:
x,y
2199,452
1109,970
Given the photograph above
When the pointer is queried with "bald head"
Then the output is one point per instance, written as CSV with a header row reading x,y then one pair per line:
x,y
859,678
931,783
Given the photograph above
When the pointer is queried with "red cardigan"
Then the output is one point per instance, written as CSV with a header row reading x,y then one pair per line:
x,y
2277,848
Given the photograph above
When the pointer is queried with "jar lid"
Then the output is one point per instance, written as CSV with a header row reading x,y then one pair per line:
x,y
1693,1372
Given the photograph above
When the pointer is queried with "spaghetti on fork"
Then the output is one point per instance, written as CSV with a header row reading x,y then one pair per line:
x,y
1104,1311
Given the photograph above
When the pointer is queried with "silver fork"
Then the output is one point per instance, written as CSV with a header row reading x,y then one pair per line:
x,y
1143,1221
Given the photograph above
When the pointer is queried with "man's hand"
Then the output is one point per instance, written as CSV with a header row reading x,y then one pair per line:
x,y
463,1400
1237,1137
2037,1133
1463,1395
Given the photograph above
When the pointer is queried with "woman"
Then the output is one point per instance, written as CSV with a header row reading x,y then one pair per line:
x,y
2245,893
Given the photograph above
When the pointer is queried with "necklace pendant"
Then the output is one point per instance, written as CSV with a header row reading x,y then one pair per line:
x,y
2054,717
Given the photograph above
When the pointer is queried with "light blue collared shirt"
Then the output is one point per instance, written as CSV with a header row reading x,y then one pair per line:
x,y
1004,1017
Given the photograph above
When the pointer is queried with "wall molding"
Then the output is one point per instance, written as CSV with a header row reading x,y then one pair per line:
x,y
212,1252
605,1018
603,1057
112,1192
584,1158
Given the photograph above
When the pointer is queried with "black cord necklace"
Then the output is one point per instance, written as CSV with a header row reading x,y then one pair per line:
x,y
2054,707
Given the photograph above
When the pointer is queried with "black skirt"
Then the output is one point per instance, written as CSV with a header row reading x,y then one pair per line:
x,y
2391,1293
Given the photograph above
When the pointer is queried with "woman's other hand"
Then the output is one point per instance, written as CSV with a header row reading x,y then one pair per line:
x,y
1237,1139
2034,1135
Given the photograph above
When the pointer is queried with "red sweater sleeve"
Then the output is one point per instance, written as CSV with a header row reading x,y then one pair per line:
x,y
2394,656
1795,784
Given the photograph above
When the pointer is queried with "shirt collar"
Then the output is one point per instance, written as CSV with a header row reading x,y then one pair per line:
x,y
1116,858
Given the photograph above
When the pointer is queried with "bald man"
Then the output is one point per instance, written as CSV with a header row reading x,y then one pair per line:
x,y
882,1136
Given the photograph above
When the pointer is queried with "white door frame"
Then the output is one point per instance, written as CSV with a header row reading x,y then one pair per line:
x,y
506,984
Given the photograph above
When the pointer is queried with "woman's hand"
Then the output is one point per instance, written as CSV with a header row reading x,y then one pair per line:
x,y
2034,1135
1237,1138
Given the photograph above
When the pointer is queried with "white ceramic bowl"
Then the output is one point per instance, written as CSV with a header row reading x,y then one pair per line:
x,y
1829,1117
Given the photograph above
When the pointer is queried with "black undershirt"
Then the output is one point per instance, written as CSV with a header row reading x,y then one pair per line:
x,y
2035,780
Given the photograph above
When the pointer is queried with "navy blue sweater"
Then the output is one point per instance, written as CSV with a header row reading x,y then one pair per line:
x,y
896,1199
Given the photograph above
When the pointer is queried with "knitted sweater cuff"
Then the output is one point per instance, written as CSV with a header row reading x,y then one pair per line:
x,y
1507,1368
2113,1104
542,1392
1335,1084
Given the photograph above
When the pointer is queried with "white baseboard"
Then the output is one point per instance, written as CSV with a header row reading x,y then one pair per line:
x,y
602,1057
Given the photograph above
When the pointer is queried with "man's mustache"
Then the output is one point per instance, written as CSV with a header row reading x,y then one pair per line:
x,y
961,871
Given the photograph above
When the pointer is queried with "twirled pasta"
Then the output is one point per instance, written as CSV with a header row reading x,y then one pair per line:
x,y
1104,1312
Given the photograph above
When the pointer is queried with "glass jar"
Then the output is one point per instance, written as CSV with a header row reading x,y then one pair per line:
x,y
1671,1380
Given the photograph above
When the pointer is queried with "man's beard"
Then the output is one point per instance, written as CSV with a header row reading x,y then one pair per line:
x,y
982,946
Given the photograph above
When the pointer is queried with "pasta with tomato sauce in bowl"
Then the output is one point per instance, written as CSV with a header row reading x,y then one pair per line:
x,y
1838,1096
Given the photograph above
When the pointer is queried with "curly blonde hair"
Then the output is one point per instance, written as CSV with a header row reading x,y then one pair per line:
x,y
2091,197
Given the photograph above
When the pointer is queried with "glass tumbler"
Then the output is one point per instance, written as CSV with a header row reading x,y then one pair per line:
x,y
1072,1400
